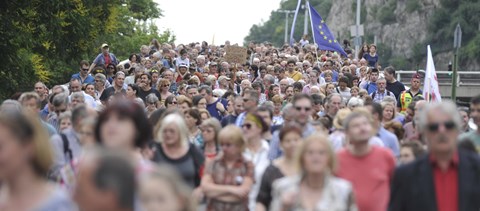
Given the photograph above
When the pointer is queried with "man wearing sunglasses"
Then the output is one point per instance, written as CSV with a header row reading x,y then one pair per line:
x,y
302,110
445,179
83,75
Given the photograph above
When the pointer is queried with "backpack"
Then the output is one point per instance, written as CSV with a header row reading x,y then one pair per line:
x,y
66,147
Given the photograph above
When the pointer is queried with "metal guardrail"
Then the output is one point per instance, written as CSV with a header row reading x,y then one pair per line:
x,y
464,78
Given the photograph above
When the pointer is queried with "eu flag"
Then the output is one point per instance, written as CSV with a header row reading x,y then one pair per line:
x,y
322,34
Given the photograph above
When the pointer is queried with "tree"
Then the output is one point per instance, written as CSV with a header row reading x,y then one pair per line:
x,y
45,40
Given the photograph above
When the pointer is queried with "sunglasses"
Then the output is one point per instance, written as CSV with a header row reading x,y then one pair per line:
x,y
434,127
247,125
166,85
85,69
299,108
174,102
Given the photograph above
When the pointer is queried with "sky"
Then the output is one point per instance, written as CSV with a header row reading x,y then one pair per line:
x,y
202,20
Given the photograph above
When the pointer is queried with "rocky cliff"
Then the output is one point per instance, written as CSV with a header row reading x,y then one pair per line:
x,y
401,28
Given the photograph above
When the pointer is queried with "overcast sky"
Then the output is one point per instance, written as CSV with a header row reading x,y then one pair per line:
x,y
200,20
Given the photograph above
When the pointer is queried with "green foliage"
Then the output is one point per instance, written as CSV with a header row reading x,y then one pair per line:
x,y
412,6
442,24
363,11
385,13
45,40
273,30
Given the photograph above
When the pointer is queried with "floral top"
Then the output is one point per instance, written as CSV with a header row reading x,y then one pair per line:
x,y
223,175
337,194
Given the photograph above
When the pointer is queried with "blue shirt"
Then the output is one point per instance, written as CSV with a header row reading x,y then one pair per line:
x,y
370,87
212,109
89,80
275,151
372,60
389,140
100,59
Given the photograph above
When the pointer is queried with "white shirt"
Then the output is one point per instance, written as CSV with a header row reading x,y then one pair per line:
x,y
260,161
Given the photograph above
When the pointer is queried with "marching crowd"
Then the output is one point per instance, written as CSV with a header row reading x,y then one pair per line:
x,y
178,127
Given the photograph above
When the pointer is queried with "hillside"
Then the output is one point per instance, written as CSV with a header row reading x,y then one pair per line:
x,y
403,28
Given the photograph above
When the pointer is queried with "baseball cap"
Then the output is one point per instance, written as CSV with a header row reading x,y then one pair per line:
x,y
182,65
213,64
104,45
417,76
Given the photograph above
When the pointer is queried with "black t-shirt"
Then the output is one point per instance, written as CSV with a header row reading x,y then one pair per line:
x,y
396,88
143,94
109,92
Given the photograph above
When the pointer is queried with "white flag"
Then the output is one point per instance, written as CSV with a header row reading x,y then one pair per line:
x,y
431,92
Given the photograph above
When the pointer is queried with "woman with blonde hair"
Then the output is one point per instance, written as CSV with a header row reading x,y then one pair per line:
x,y
26,158
337,137
163,87
173,148
229,177
315,188
388,113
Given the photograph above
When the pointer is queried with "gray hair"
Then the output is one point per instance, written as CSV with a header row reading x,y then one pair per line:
x,y
381,79
286,109
78,115
390,99
78,95
60,99
269,78
11,104
65,115
151,98
101,77
446,107
328,100
355,101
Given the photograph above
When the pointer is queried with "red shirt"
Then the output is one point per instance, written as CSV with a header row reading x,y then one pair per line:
x,y
107,59
370,176
446,184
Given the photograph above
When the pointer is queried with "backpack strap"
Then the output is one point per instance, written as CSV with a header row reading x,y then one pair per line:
x,y
66,147
373,95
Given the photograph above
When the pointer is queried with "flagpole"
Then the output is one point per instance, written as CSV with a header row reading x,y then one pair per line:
x,y
313,33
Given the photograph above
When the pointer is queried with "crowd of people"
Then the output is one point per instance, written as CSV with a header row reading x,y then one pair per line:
x,y
178,127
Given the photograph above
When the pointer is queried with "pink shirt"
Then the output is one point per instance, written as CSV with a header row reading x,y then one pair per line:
x,y
370,176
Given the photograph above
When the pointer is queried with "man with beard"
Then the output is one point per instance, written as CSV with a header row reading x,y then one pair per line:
x,y
145,87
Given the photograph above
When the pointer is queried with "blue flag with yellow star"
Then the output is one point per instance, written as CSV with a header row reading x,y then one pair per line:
x,y
322,34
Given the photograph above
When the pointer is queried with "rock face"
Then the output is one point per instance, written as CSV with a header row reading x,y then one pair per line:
x,y
405,28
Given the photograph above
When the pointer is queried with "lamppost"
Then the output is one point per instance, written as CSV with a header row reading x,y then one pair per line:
x,y
287,12
457,41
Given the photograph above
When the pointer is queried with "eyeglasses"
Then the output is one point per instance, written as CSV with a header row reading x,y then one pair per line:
x,y
299,108
434,127
247,125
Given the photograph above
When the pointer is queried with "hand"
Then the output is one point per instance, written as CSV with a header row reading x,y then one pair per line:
x,y
240,192
220,107
288,199
198,194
